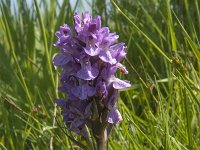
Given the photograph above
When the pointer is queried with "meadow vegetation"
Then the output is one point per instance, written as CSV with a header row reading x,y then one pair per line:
x,y
160,111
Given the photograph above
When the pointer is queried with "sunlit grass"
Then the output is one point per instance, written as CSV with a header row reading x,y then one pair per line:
x,y
160,110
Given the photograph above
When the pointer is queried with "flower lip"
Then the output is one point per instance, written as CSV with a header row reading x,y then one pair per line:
x,y
83,91
120,84
114,116
87,72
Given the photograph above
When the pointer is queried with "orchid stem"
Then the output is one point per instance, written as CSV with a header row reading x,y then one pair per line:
x,y
102,140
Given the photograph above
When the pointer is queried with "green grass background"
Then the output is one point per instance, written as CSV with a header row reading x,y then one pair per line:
x,y
160,110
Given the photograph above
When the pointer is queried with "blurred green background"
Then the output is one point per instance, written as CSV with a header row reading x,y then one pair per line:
x,y
160,110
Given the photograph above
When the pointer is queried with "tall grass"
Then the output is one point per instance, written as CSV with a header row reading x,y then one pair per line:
x,y
160,110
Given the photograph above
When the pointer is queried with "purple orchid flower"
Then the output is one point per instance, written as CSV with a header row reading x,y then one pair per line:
x,y
89,59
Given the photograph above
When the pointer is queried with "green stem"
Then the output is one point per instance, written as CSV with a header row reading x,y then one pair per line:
x,y
102,140
100,124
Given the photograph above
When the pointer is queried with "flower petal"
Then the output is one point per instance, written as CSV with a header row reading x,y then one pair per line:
x,y
97,21
61,59
106,57
118,51
111,99
86,17
115,49
108,40
92,27
87,72
121,84
65,29
122,68
79,92
77,22
61,102
63,39
114,116
83,91
101,89
92,51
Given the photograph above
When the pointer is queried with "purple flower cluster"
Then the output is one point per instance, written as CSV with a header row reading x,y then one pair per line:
x,y
89,59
